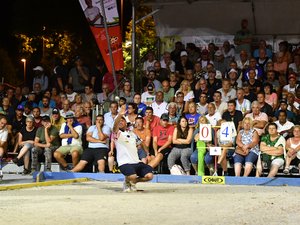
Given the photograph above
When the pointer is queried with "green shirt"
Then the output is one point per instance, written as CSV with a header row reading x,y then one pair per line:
x,y
266,139
168,96
40,133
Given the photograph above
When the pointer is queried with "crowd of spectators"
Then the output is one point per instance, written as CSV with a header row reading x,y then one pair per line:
x,y
257,90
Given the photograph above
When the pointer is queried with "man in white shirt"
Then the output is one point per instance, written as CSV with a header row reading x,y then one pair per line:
x,y
221,106
159,106
71,143
242,104
148,96
127,154
213,116
284,127
227,92
149,63
92,13
167,62
110,116
292,86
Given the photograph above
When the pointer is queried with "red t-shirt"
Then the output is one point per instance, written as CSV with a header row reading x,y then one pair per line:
x,y
154,123
162,134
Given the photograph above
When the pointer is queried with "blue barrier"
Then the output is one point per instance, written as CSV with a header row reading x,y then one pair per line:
x,y
263,181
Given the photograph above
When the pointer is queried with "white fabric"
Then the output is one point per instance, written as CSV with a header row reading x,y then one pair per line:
x,y
158,110
3,135
77,141
245,106
213,120
171,66
147,98
93,129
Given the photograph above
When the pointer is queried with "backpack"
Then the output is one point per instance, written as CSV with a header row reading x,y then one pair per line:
x,y
177,170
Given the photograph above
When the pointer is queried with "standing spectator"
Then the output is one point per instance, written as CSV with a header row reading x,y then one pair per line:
x,y
40,77
175,54
243,38
97,73
46,142
79,75
71,143
184,64
181,139
60,75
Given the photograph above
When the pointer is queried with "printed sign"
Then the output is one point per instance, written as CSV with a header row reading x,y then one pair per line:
x,y
225,132
205,132
213,180
215,150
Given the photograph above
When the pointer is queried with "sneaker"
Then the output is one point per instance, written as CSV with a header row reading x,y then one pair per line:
x,y
133,187
211,171
126,186
15,160
67,168
286,171
26,171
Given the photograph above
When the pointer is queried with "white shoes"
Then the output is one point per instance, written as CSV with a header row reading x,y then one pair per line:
x,y
129,187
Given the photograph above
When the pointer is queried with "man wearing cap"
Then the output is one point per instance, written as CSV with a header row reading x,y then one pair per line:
x,y
235,83
162,140
71,143
16,124
56,119
184,64
292,86
40,78
221,63
46,141
148,96
127,154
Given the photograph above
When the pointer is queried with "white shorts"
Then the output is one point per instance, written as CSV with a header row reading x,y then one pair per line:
x,y
278,162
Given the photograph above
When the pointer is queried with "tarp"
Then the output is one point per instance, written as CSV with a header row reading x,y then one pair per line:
x,y
222,17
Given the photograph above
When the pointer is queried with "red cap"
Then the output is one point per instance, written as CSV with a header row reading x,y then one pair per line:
x,y
292,76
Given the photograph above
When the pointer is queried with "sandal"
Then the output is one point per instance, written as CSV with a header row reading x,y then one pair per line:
x,y
286,170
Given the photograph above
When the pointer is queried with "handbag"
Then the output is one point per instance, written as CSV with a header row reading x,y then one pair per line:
x,y
239,151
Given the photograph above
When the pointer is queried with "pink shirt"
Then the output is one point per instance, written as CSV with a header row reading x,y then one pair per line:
x,y
271,99
262,116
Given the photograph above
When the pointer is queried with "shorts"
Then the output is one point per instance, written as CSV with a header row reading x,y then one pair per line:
x,y
65,150
165,151
94,154
140,169
142,154
278,162
295,162
251,158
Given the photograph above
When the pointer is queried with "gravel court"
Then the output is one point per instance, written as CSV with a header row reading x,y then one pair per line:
x,y
98,202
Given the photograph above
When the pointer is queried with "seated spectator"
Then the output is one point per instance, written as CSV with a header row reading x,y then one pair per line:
x,y
105,96
293,150
242,104
62,98
175,54
151,79
151,121
161,73
212,82
131,115
265,107
37,90
162,140
88,94
283,107
258,70
247,148
284,49
228,51
227,92
232,114
54,97
149,63
145,136
46,141
127,93
220,105
255,85
192,116
66,108
281,67
37,119
205,59
272,147
45,109
7,109
141,107
110,116
262,46
293,105
271,78
202,88
167,62
181,139
187,91
295,66
27,110
202,104
15,126
3,136
271,97
182,106
193,53
159,106
56,119
78,102
174,81
70,92
87,109
40,77
235,83
52,102
292,85
262,59
243,62
259,119
167,91
249,95
284,127
148,96
25,142
221,63
212,116
71,143
97,151
199,72
84,120
172,113
184,64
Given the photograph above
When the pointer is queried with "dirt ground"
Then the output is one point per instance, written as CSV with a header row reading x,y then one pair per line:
x,y
98,202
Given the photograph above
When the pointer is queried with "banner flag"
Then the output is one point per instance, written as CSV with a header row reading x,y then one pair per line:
x,y
93,13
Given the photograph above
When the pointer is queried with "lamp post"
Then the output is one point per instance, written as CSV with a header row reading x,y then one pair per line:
x,y
24,63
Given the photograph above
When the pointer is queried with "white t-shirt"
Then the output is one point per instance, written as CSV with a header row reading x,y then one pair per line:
x,y
3,134
64,141
189,95
229,96
289,89
147,98
125,143
202,109
171,66
213,120
148,65
158,110
71,97
245,106
288,125
91,13
221,108
93,129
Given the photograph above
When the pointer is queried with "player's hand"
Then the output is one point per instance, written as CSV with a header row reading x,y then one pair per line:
x,y
122,110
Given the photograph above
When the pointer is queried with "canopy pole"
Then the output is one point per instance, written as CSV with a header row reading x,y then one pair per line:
x,y
133,44
108,45
253,16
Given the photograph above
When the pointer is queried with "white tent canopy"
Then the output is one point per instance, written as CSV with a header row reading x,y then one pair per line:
x,y
222,17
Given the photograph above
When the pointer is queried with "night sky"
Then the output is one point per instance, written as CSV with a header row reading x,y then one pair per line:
x,y
29,16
